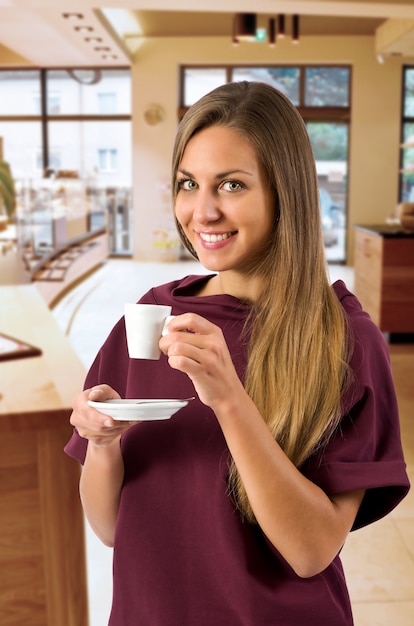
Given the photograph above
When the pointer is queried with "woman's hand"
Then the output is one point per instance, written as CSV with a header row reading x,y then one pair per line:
x,y
98,428
197,347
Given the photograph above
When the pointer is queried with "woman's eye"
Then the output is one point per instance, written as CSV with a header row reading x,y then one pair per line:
x,y
186,185
231,185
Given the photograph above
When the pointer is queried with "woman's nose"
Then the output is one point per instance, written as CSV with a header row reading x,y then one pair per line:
x,y
206,207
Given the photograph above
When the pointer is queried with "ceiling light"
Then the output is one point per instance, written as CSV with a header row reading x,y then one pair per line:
x,y
95,39
272,31
109,56
102,49
281,26
73,16
295,29
244,27
83,29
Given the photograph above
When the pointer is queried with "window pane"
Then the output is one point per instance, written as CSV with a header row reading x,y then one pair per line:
x,y
409,92
327,86
330,146
407,177
286,79
199,81
107,103
93,92
22,148
98,150
19,92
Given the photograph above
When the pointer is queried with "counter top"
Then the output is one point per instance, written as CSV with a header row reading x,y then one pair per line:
x,y
385,230
39,383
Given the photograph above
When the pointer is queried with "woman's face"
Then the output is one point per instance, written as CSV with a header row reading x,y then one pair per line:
x,y
224,203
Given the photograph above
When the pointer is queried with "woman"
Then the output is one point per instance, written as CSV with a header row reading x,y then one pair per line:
x,y
234,511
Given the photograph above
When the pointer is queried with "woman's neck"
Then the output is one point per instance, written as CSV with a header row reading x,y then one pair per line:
x,y
247,288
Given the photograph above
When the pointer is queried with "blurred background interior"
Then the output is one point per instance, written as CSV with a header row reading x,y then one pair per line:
x,y
90,98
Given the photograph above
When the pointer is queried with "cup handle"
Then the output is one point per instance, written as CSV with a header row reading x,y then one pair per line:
x,y
165,327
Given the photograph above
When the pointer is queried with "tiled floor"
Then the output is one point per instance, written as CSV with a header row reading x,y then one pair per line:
x,y
379,560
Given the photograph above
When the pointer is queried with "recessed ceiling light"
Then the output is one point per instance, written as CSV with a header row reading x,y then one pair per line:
x,y
109,56
95,39
73,16
102,48
83,29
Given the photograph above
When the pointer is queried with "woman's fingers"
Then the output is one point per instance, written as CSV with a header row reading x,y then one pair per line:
x,y
197,347
98,428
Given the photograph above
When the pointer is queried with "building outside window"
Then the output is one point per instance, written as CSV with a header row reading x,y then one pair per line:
x,y
107,159
106,102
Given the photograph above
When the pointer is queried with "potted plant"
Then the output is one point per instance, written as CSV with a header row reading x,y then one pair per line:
x,y
7,191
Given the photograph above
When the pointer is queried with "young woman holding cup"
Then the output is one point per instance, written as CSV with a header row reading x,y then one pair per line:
x,y
234,511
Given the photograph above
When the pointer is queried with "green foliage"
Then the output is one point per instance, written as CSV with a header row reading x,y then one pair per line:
x,y
7,191
409,92
329,141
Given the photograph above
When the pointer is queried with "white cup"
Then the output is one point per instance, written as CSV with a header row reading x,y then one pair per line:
x,y
145,324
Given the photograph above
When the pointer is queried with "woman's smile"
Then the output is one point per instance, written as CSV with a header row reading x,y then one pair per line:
x,y
215,239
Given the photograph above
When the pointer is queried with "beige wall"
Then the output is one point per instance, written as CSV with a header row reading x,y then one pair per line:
x,y
8,58
376,95
374,156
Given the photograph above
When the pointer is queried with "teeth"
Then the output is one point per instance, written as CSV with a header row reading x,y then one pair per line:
x,y
211,238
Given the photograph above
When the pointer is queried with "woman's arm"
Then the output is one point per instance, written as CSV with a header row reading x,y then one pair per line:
x,y
103,470
301,521
100,489
305,525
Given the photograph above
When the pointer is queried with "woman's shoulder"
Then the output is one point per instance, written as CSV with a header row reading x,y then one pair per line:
x,y
360,322
369,350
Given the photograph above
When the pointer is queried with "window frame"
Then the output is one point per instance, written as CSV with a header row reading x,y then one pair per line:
x,y
309,114
44,117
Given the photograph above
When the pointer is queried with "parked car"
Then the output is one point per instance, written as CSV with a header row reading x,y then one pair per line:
x,y
330,215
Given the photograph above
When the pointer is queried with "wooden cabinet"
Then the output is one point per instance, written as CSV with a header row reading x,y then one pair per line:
x,y
42,553
384,276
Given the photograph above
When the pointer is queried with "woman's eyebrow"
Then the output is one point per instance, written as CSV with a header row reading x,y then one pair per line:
x,y
185,173
219,174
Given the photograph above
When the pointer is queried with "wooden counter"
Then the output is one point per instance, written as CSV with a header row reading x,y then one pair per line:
x,y
384,276
42,553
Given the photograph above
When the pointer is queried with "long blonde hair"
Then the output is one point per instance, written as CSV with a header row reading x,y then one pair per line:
x,y
298,349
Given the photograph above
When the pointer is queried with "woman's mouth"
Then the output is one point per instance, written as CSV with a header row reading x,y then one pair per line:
x,y
216,237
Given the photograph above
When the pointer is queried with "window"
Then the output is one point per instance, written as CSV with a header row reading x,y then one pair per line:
x,y
18,92
286,79
53,103
82,127
55,161
327,86
322,96
91,92
406,192
198,81
107,160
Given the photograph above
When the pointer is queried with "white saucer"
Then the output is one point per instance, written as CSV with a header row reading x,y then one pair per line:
x,y
140,410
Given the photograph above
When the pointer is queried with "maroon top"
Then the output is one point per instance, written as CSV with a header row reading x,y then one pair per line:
x,y
182,554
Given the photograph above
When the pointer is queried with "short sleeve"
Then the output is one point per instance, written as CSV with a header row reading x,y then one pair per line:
x,y
365,452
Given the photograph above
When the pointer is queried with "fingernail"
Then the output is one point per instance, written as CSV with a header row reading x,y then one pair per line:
x,y
107,423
